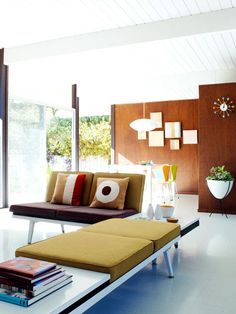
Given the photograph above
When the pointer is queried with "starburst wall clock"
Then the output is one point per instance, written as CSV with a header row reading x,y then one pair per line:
x,y
223,107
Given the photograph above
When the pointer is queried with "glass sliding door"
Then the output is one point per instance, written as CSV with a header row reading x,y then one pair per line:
x,y
39,142
39,132
27,152
1,165
59,139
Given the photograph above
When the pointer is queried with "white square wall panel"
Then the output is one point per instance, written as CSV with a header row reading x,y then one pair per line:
x,y
157,117
190,137
172,129
156,138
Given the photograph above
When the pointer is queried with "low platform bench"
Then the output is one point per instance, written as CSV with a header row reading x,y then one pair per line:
x,y
102,248
81,215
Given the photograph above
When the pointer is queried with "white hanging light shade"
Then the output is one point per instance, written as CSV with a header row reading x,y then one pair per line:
x,y
143,125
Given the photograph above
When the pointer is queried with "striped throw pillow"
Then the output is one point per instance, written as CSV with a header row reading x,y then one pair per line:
x,y
68,189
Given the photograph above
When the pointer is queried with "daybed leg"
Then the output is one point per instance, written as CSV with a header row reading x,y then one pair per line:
x,y
62,228
168,263
176,245
31,231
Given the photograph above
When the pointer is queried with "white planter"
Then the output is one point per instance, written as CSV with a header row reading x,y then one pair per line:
x,y
220,189
167,210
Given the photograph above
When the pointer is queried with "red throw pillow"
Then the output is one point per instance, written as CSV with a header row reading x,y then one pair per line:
x,y
68,189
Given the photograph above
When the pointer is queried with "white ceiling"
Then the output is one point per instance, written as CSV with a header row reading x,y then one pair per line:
x,y
28,21
150,71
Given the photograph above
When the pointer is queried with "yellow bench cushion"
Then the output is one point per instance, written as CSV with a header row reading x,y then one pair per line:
x,y
160,233
93,251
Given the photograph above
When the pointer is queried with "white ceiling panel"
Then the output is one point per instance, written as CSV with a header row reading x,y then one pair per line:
x,y
150,10
192,6
222,44
162,11
169,68
170,8
225,4
138,9
182,8
197,44
231,45
40,20
214,5
203,6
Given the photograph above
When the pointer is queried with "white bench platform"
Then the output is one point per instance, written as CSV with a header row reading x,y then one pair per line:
x,y
87,289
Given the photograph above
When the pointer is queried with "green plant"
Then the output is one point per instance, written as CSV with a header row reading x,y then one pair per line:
x,y
95,136
219,173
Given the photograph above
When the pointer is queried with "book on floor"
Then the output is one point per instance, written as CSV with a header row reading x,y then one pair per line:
x,y
21,299
25,266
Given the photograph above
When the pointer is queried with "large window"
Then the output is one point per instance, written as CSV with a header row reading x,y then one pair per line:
x,y
95,143
59,135
39,142
27,152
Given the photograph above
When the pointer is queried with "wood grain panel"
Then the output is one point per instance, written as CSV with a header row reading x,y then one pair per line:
x,y
130,150
217,144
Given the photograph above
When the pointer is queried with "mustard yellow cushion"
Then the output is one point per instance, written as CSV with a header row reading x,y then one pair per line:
x,y
86,188
160,233
93,251
134,193
110,193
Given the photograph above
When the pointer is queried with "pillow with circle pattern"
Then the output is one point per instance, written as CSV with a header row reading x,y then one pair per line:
x,y
110,193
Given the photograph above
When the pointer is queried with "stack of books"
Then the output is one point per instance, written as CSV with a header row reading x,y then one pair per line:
x,y
24,281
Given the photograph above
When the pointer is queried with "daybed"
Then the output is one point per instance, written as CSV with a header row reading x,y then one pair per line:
x,y
119,247
83,214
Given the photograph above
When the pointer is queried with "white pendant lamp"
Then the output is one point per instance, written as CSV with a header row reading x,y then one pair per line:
x,y
143,125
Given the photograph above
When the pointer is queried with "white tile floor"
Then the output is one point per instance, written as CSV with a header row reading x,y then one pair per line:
x,y
204,266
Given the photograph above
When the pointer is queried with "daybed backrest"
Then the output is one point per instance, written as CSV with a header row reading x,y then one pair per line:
x,y
134,194
87,185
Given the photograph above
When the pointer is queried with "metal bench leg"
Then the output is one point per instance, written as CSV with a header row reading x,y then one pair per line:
x,y
31,231
62,228
168,263
176,245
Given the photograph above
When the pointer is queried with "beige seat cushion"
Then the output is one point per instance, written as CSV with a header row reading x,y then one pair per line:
x,y
93,251
160,233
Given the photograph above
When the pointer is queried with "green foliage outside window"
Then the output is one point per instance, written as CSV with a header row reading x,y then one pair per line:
x,y
95,131
58,137
95,136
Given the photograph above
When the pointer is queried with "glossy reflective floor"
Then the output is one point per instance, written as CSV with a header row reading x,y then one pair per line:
x,y
204,266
